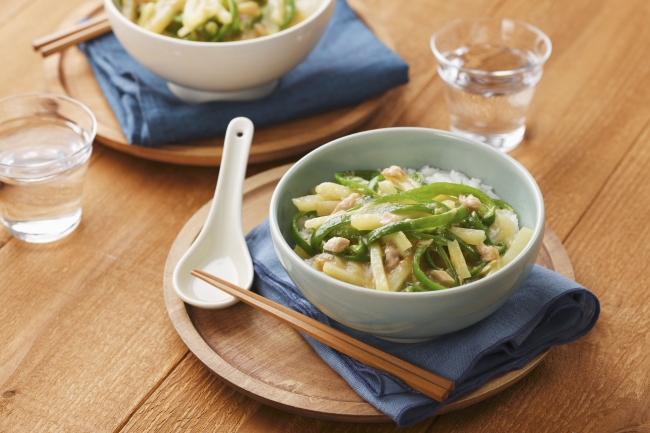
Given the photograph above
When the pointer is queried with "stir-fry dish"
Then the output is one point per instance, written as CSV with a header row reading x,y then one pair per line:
x,y
217,20
392,231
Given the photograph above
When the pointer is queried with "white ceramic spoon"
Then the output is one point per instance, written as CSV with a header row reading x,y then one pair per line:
x,y
220,248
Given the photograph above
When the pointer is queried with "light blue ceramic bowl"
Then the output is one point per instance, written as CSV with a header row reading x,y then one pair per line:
x,y
408,317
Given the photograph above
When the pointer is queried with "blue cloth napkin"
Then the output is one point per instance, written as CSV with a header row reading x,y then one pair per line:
x,y
348,66
547,310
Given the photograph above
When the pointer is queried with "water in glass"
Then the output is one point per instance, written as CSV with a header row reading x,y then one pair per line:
x,y
488,90
42,164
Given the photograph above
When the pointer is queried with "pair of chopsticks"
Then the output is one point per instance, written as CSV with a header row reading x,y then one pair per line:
x,y
421,380
62,39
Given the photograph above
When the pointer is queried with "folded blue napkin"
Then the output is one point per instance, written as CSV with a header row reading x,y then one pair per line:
x,y
547,310
348,66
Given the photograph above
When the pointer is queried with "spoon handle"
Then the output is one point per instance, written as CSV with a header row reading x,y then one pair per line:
x,y
237,143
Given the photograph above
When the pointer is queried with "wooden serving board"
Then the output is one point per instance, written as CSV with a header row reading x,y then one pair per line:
x,y
271,362
69,73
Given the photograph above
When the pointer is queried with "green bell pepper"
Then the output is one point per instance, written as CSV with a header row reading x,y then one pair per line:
x,y
297,223
488,207
419,274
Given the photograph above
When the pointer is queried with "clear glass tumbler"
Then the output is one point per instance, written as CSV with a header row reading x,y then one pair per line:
x,y
45,143
490,67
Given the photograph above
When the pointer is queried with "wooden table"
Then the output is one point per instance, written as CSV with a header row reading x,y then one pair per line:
x,y
85,341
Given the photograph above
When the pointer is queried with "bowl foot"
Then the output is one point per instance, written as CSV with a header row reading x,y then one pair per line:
x,y
196,96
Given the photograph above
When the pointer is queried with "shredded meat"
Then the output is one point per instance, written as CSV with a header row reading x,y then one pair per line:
x,y
388,218
442,277
392,256
394,172
470,202
347,203
336,245
488,253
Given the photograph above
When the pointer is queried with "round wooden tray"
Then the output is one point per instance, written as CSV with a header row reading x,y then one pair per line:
x,y
271,362
69,73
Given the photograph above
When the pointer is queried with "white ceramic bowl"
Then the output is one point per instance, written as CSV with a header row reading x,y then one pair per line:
x,y
408,317
236,70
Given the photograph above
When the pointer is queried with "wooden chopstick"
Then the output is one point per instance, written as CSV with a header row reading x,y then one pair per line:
x,y
421,380
63,39
46,40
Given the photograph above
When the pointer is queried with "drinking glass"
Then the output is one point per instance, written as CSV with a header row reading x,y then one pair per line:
x,y
490,67
45,143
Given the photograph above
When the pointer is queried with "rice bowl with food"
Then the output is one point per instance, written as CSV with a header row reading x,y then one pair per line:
x,y
212,50
403,315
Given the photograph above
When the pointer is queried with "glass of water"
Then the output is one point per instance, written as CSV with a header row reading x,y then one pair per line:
x,y
45,143
490,67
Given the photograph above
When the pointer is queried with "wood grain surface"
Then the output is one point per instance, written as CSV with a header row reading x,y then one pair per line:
x,y
86,344
69,73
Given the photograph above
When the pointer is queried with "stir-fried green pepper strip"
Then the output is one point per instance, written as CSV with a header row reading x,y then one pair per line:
x,y
429,259
256,20
221,33
419,274
329,225
487,210
236,24
399,226
425,223
474,271
355,208
502,247
426,236
291,12
350,179
450,267
344,231
355,257
357,250
442,220
429,208
503,205
470,250
299,219
233,25
374,182
475,223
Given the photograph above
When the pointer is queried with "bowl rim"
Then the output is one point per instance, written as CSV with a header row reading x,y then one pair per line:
x,y
110,6
538,230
